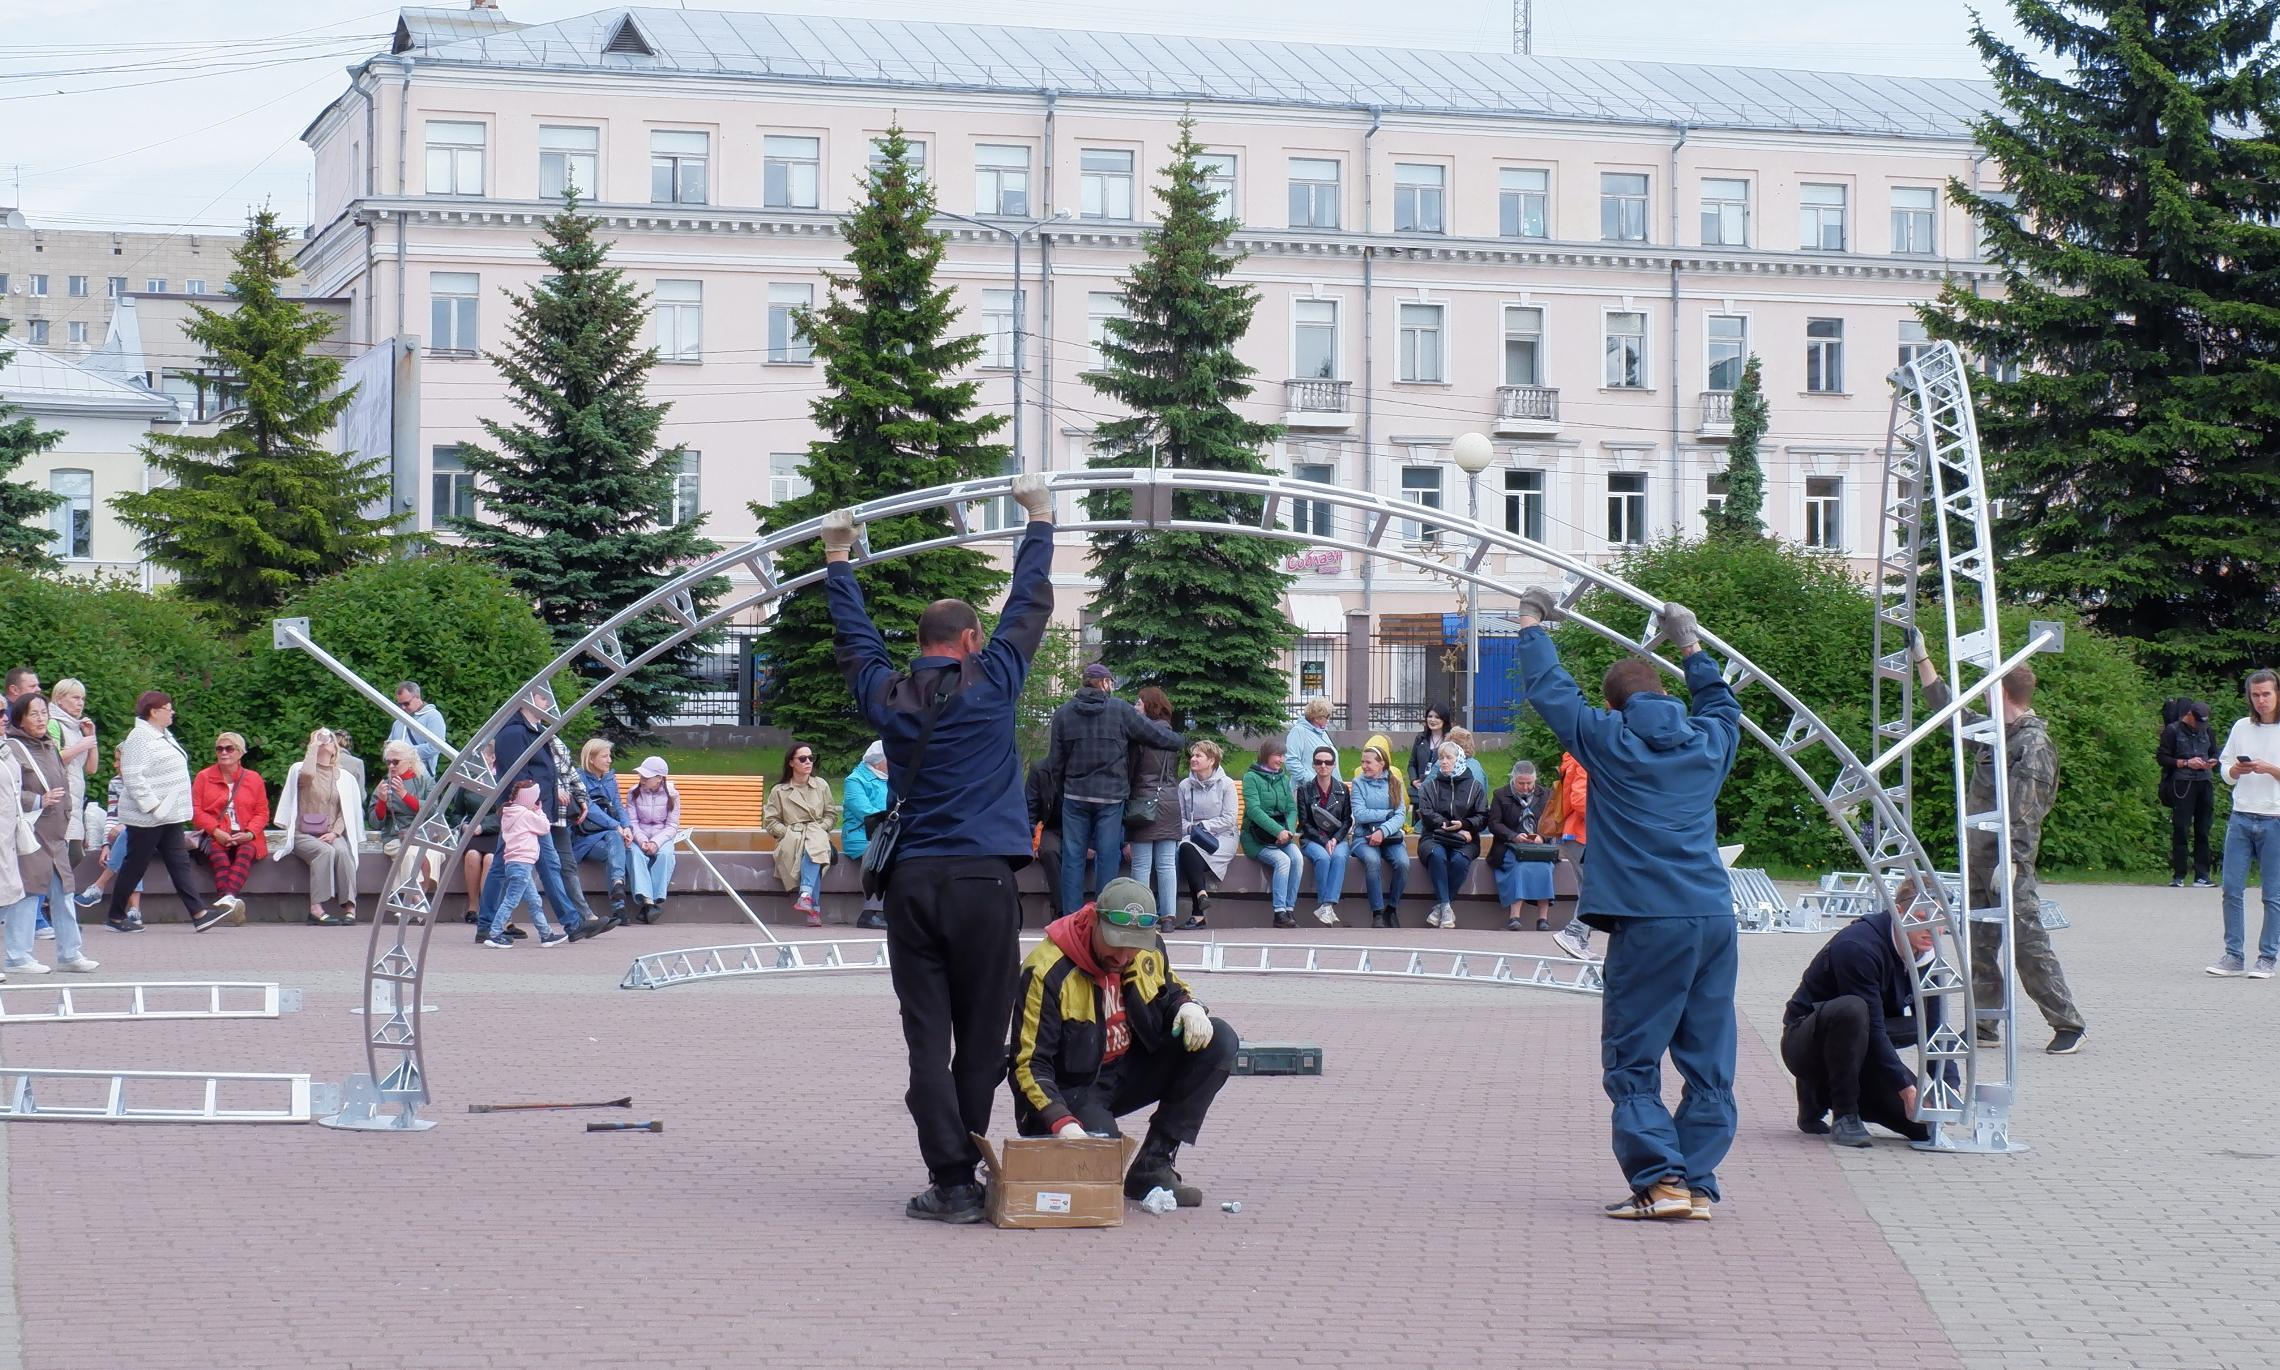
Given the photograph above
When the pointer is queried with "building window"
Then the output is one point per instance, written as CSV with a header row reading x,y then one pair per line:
x,y
73,521
194,286
1995,366
1725,213
569,161
997,329
678,160
451,489
156,285
452,298
1002,512
1421,359
791,171
683,507
76,331
1821,218
1314,339
1219,180
1313,192
786,343
1623,206
1418,194
1627,508
1625,352
1001,180
1104,183
1421,485
1726,343
1313,516
77,285
1100,307
1824,512
454,158
1523,345
2006,206
1523,202
39,332
39,284
679,307
113,286
1914,215
1524,504
1914,341
1825,356
786,482
1716,488
914,156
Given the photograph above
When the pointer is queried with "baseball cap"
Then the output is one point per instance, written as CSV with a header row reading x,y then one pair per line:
x,y
1126,899
651,767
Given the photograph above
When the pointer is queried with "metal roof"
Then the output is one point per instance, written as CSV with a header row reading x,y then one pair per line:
x,y
1161,66
41,381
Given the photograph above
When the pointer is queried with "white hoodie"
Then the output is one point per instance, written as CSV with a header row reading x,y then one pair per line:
x,y
2256,792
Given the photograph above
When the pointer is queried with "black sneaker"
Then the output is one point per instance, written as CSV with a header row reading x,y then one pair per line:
x,y
1286,918
515,930
2178,883
1850,1131
2066,1043
123,925
209,916
872,921
955,1203
1987,1034
2204,883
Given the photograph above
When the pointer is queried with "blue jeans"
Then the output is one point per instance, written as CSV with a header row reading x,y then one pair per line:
x,y
1100,827
811,879
650,876
115,860
2252,837
1157,865
548,871
23,922
1448,866
609,848
1670,988
1375,861
1329,870
1283,868
515,890
1522,882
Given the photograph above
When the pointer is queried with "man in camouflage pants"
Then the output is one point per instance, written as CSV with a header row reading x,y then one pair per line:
x,y
2032,768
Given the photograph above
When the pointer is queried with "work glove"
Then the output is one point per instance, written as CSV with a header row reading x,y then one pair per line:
x,y
1678,626
1033,495
1917,651
1192,1026
1540,601
838,531
1070,1131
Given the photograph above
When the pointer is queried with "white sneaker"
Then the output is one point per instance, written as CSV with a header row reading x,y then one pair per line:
x,y
28,967
81,964
45,934
1448,915
1326,915
1433,916
1575,940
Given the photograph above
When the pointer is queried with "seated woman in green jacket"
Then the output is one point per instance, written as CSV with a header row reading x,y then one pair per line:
x,y
1270,822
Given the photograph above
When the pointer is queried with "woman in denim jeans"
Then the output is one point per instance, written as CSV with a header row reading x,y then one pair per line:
x,y
1156,775
1381,804
1270,817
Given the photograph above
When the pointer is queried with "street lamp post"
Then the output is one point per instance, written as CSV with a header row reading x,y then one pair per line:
x,y
1020,304
1473,453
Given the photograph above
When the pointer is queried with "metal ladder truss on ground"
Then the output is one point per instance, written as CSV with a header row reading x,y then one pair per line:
x,y
152,1096
1759,905
1846,895
48,1001
660,970
1207,502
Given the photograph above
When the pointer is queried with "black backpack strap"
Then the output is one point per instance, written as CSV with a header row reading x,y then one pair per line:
x,y
951,675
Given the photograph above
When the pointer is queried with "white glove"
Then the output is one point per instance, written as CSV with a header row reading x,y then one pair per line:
x,y
1070,1131
1033,495
1540,602
1678,625
1917,651
1192,1026
838,531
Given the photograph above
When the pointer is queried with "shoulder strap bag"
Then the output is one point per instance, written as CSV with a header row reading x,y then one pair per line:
x,y
879,857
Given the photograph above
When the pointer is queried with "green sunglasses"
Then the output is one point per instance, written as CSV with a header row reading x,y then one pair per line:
x,y
1131,918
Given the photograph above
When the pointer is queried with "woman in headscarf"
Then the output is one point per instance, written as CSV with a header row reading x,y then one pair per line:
x,y
322,812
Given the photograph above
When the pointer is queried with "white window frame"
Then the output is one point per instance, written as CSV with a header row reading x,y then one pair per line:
x,y
677,307
1422,342
1313,186
156,285
1316,517
1915,340
1527,496
113,286
37,333
1916,227
791,171
1621,207
787,345
1608,378
72,523
449,487
1713,345
1424,495
1825,513
785,483
687,500
1222,177
681,161
998,314
1523,326
1301,325
1627,508
1825,357
1001,186
454,311
456,149
75,287
76,331
1726,215
1715,489
1105,180
1522,205
194,286
1100,307
1821,219
1420,197
917,159
39,285
566,164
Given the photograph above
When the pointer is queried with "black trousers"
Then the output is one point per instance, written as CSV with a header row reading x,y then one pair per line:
x,y
165,842
954,954
1195,872
1049,861
1827,1051
1181,1083
569,867
2191,814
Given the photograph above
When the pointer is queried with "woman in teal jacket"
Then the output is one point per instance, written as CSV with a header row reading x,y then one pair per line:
x,y
1270,822
863,794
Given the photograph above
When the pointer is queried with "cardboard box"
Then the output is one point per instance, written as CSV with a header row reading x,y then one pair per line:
x,y
1047,1182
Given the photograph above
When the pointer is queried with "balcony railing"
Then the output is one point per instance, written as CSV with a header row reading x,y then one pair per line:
x,y
1318,397
1529,403
1717,412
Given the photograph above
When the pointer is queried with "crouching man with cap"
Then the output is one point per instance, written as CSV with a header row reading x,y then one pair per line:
x,y
1104,1028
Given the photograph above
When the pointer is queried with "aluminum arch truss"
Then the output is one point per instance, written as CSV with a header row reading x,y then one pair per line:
x,y
1363,523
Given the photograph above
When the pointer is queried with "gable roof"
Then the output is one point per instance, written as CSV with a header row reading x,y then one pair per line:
x,y
42,382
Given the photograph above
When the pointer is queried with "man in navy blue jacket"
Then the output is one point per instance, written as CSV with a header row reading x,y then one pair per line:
x,y
1655,884
1840,1031
953,914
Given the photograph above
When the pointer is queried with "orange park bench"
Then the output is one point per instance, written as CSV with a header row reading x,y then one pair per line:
x,y
722,811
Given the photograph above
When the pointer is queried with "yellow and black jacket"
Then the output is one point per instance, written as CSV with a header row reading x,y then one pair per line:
x,y
1059,1034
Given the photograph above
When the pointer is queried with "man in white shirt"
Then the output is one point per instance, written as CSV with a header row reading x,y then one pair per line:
x,y
2250,763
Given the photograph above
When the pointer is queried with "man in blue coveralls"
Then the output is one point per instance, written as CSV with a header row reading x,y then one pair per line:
x,y
1655,885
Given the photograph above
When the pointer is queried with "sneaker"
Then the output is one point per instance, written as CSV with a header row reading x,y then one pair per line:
x,y
2204,883
555,941
1575,940
875,921
1286,918
210,916
1699,1202
1543,925
515,932
2228,965
1849,1131
814,917
1448,915
45,934
2065,1043
87,899
1987,1034
79,965
28,967
499,942
1326,915
236,907
2262,970
955,1203
2178,883
1662,1199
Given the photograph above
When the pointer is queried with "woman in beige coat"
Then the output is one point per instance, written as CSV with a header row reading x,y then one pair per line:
x,y
44,798
801,815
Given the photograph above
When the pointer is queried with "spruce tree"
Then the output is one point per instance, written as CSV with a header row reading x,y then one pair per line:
x,y
893,421
577,496
24,541
251,513
2139,447
1740,514
1199,615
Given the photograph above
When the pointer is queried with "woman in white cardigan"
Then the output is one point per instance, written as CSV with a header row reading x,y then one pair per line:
x,y
322,812
1207,823
154,772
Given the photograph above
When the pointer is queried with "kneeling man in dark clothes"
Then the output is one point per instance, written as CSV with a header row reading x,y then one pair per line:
x,y
1841,1031
1103,1027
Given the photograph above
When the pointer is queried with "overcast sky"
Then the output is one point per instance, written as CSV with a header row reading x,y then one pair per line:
x,y
180,113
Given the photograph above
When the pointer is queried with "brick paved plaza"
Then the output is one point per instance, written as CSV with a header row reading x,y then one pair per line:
x,y
1431,1200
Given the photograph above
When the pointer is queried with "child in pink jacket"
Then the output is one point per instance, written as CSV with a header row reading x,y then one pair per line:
x,y
521,824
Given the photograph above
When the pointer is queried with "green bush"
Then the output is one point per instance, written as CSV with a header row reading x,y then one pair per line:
x,y
443,620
